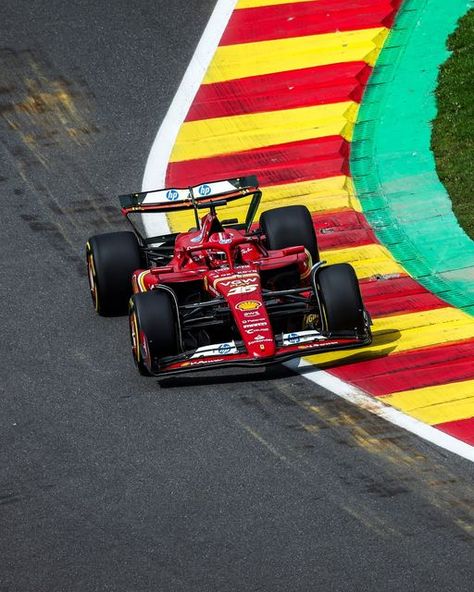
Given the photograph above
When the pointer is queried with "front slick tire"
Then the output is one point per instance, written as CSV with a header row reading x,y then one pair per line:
x,y
111,260
343,309
153,329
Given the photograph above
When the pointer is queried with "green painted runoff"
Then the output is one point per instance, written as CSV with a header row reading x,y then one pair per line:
x,y
392,163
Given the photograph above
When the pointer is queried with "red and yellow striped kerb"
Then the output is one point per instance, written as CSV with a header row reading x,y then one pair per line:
x,y
280,99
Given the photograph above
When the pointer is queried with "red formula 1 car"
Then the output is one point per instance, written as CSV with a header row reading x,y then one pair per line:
x,y
225,293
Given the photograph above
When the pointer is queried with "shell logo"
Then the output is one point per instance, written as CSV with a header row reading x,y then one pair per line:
x,y
248,305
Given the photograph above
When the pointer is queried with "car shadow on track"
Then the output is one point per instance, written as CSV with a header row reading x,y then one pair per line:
x,y
228,376
383,344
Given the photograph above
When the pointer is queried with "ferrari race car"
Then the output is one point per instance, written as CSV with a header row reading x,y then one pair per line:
x,y
227,292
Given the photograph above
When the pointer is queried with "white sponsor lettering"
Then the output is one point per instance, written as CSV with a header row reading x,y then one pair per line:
x,y
253,323
239,282
241,290
200,362
256,330
259,341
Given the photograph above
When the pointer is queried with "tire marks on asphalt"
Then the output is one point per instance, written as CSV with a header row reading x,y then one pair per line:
x,y
48,124
388,469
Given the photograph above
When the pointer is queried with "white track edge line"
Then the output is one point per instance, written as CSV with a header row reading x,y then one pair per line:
x,y
376,406
154,178
157,163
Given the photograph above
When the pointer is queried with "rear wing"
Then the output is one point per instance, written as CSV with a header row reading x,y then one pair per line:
x,y
203,195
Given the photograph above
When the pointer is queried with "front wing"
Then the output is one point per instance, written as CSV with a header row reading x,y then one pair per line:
x,y
289,345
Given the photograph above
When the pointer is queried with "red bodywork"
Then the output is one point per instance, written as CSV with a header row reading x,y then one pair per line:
x,y
229,264
237,302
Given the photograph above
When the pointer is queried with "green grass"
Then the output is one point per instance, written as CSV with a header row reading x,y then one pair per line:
x,y
453,128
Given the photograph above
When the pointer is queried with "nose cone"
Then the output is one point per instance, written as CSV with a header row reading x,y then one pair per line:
x,y
243,293
262,349
252,320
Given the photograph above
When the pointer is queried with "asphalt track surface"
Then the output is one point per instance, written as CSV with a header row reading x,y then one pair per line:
x,y
243,480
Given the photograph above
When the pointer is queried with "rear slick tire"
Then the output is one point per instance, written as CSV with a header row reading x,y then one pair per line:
x,y
111,260
290,226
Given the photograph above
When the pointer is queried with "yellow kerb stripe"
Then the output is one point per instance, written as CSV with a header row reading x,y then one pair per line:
x,y
367,260
436,404
332,193
224,135
399,333
256,3
280,55
329,194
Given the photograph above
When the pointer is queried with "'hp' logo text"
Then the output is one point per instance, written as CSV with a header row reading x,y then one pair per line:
x,y
172,195
204,190
293,338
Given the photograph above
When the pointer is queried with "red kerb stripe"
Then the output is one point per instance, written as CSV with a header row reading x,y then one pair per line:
x,y
462,429
282,90
282,163
417,368
398,295
307,18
